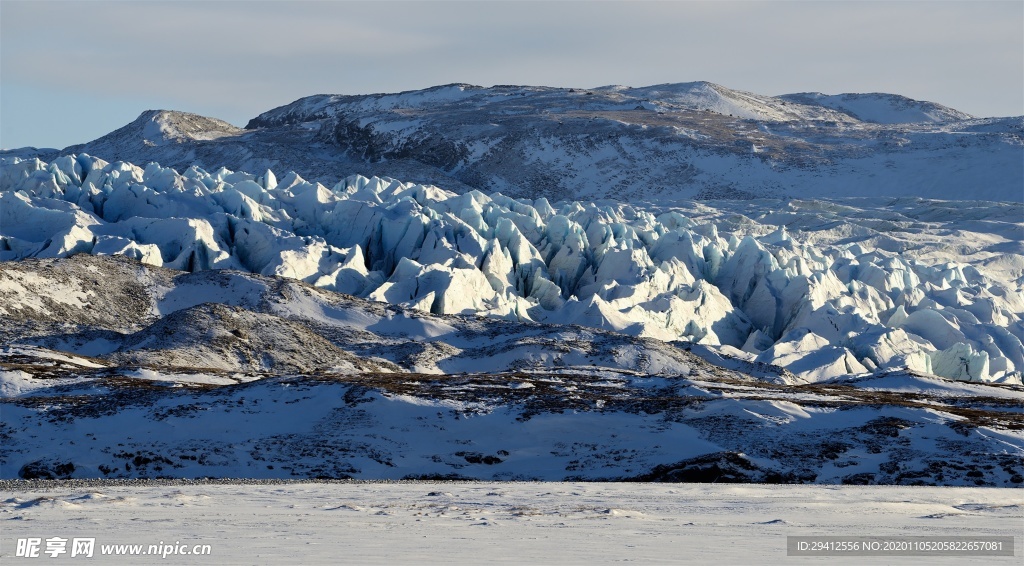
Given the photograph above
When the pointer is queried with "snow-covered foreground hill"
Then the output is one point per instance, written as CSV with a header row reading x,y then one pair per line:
x,y
822,288
114,368
472,523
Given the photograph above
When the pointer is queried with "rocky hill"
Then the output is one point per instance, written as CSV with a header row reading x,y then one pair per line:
x,y
124,370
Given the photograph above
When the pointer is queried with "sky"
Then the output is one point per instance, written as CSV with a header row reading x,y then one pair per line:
x,y
73,71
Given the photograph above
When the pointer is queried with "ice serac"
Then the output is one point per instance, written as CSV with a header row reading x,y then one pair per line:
x,y
823,288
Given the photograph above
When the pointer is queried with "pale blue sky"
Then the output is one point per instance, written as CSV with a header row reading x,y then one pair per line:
x,y
73,71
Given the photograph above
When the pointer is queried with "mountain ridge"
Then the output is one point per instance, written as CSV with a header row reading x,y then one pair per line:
x,y
664,143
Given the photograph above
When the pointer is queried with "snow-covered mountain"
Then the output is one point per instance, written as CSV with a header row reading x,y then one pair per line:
x,y
352,388
665,143
823,289
880,108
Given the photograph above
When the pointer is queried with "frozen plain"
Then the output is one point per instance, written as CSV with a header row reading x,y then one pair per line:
x,y
472,523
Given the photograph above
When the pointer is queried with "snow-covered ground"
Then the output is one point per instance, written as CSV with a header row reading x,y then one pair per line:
x,y
121,369
508,523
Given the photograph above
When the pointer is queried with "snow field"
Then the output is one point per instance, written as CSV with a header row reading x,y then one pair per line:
x,y
470,523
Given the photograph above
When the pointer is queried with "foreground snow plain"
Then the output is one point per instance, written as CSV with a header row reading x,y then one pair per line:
x,y
473,523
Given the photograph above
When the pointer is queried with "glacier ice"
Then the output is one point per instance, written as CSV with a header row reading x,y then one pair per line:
x,y
825,297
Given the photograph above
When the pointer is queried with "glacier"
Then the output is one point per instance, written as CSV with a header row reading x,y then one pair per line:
x,y
822,288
